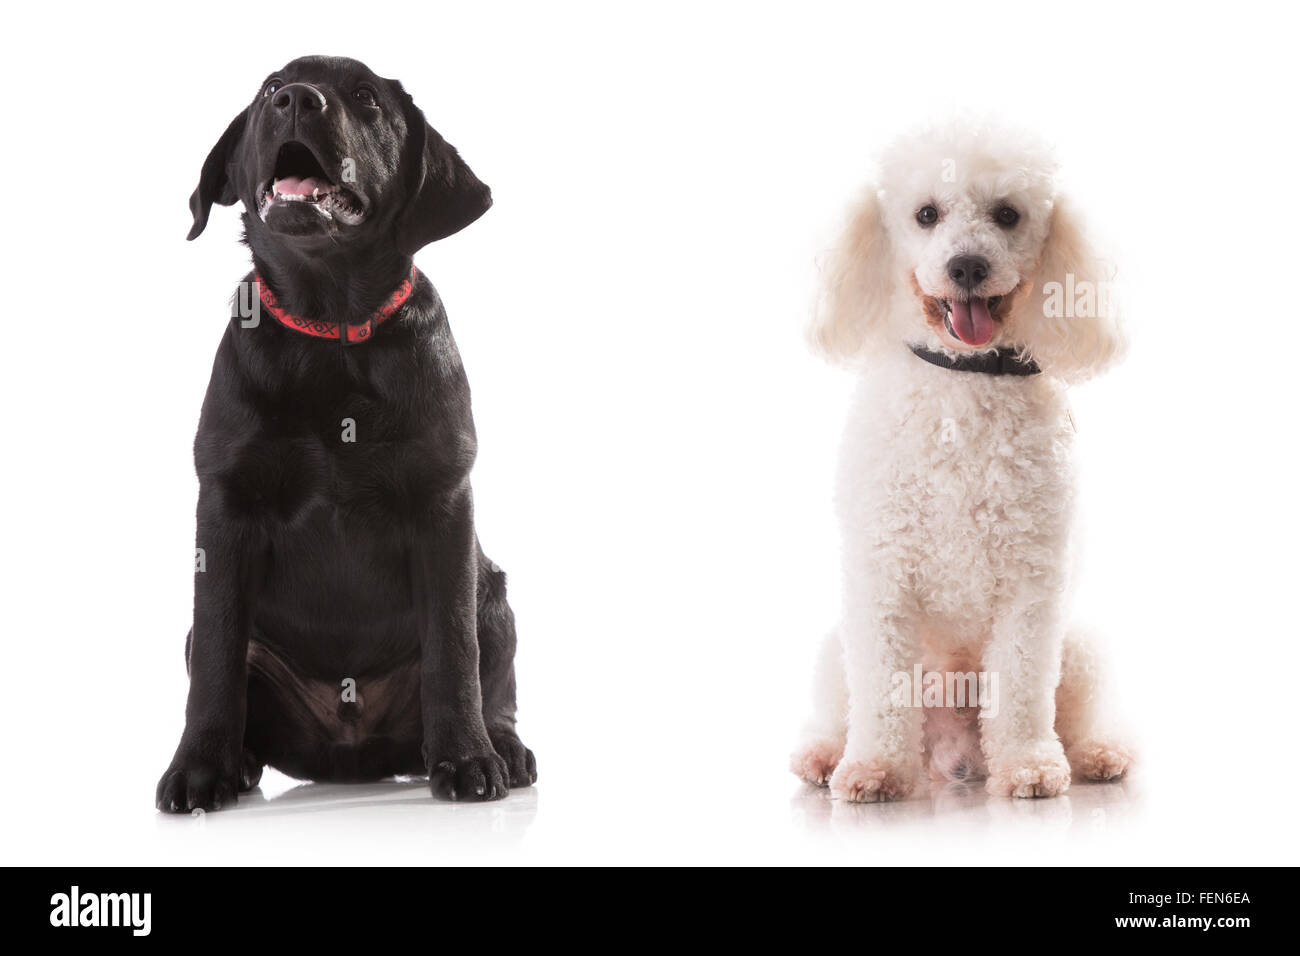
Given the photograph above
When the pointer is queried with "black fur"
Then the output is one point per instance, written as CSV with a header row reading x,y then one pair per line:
x,y
327,561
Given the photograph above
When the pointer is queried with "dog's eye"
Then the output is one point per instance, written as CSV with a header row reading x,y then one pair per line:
x,y
927,215
1006,216
364,96
271,87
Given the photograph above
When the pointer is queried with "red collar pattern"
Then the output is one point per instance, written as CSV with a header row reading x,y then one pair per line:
x,y
321,329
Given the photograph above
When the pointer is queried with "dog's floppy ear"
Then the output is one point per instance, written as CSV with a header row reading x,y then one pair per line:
x,y
445,195
1069,323
857,284
215,184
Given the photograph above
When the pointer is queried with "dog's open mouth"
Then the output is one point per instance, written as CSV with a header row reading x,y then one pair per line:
x,y
299,179
971,320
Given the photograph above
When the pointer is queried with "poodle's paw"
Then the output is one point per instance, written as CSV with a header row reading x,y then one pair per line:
x,y
1038,776
1097,758
816,761
872,781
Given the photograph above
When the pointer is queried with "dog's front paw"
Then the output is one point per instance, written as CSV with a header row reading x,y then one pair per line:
x,y
872,781
1100,759
521,765
196,785
1045,775
483,777
816,761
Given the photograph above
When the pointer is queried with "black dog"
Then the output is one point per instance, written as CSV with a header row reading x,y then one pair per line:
x,y
347,625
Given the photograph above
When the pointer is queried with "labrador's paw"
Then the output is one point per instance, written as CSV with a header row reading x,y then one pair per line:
x,y
484,777
872,781
193,785
250,772
521,765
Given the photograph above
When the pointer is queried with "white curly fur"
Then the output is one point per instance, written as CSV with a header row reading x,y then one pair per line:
x,y
955,490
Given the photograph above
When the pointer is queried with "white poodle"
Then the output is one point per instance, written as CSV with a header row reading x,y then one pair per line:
x,y
967,296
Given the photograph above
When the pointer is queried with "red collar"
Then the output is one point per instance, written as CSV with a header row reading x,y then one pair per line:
x,y
330,330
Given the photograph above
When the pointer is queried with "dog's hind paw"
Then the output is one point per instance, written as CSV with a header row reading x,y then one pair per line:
x,y
870,782
1099,759
816,761
521,765
250,772
1047,776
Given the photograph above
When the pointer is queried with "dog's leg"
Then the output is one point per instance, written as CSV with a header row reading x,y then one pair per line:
x,y
206,769
882,754
1025,758
456,748
496,668
1095,751
823,738
250,767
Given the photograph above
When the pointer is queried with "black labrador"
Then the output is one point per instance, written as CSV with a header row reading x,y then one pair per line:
x,y
347,625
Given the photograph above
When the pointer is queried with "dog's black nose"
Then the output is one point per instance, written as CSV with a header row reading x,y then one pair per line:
x,y
298,98
968,271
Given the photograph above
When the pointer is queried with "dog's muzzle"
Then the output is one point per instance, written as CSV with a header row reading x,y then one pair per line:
x,y
299,179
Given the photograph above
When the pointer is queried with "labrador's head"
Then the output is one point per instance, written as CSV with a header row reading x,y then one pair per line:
x,y
328,153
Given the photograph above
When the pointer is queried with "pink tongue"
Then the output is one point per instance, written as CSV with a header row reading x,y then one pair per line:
x,y
972,322
301,187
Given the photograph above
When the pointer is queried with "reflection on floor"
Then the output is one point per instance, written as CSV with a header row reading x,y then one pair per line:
x,y
398,810
1089,807
777,820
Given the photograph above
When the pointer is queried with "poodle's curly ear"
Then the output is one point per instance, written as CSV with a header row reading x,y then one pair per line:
x,y
1071,327
857,284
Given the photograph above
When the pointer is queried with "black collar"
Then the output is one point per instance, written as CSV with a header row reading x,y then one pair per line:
x,y
999,362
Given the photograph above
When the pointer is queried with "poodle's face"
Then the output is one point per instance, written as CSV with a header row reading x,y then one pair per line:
x,y
967,220
964,243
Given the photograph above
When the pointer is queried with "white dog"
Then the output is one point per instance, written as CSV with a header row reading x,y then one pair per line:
x,y
966,294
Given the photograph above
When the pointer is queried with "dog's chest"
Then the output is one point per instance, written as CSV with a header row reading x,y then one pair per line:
x,y
365,448
339,492
276,475
961,487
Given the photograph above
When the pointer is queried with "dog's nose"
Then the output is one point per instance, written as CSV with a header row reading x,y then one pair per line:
x,y
298,98
968,271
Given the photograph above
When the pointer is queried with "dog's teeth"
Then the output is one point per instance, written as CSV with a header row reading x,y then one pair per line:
x,y
315,193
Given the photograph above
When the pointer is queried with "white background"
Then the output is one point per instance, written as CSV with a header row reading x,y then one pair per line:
x,y
657,445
